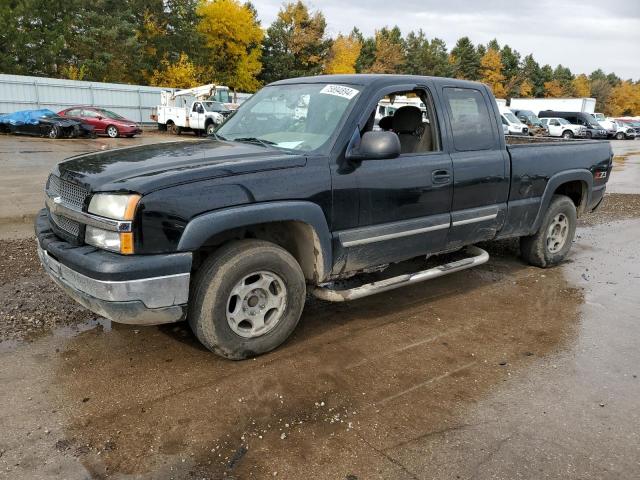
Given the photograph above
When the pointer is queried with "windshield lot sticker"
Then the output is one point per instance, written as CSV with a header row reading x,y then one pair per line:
x,y
340,91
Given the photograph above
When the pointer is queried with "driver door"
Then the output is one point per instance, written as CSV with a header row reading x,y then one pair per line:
x,y
196,117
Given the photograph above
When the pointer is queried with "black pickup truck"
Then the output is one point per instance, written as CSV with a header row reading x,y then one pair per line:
x,y
302,190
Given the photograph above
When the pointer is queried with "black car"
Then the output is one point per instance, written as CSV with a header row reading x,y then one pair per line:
x,y
44,123
594,129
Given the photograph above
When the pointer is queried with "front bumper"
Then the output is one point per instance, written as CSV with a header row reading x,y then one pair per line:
x,y
138,290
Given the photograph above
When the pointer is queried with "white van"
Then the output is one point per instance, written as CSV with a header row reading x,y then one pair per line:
x,y
515,126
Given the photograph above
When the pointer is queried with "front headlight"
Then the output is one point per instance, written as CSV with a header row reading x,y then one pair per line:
x,y
114,206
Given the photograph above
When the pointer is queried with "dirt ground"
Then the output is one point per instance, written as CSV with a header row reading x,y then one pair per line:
x,y
501,372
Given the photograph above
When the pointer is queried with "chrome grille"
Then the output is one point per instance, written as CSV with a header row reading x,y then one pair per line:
x,y
69,226
71,194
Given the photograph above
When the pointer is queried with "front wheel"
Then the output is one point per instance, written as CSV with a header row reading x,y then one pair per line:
x,y
567,134
246,299
619,136
211,128
112,131
55,132
551,244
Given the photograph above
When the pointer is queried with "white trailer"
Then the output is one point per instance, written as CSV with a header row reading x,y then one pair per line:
x,y
537,105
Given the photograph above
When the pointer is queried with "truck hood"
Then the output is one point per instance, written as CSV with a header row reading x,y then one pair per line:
x,y
146,168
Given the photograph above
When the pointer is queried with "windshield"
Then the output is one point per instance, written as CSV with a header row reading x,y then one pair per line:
x,y
221,95
532,118
110,114
295,116
214,107
511,117
598,116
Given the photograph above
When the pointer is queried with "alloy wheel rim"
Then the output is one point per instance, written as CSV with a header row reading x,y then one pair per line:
x,y
256,304
112,132
557,233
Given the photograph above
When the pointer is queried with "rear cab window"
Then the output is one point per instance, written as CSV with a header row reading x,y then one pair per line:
x,y
471,124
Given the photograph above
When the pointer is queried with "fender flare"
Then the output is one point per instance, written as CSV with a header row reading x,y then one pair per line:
x,y
552,185
204,226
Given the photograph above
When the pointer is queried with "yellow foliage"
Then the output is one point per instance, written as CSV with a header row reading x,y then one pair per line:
x,y
73,73
181,74
343,55
553,89
491,72
526,88
389,55
233,38
581,86
624,100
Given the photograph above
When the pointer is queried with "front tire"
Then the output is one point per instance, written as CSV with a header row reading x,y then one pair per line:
x,y
112,131
246,299
551,244
55,132
211,128
619,136
567,134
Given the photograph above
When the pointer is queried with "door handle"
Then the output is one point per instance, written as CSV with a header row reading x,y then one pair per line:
x,y
441,176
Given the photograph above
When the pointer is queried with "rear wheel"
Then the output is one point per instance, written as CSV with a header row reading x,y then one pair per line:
x,y
112,131
567,134
551,244
246,299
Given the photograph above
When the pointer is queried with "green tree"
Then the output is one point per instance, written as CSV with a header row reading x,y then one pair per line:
x,y
367,51
531,73
511,70
424,57
295,44
564,77
465,60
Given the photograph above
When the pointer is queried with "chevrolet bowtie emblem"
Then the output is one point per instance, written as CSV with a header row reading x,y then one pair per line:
x,y
57,200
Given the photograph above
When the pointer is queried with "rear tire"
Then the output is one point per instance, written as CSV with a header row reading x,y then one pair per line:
x,y
246,299
552,242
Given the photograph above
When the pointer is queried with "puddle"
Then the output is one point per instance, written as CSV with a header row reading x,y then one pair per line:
x,y
355,378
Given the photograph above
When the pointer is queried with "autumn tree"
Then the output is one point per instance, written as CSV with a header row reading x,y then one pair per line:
x,y
464,59
180,74
389,55
511,70
295,44
491,72
232,37
532,76
343,55
553,89
563,77
581,86
624,99
526,89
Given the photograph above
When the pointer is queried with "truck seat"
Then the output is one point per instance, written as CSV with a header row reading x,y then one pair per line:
x,y
407,124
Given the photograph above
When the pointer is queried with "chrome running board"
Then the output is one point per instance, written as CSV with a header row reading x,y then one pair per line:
x,y
477,256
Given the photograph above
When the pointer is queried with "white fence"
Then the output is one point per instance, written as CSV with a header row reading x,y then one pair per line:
x,y
135,102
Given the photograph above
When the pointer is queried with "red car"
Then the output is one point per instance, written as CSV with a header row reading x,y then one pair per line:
x,y
104,122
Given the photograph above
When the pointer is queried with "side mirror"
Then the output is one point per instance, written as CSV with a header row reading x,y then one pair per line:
x,y
99,117
376,146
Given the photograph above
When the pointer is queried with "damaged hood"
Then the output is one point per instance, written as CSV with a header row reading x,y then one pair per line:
x,y
143,169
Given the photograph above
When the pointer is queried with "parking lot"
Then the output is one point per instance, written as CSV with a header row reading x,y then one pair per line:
x,y
502,371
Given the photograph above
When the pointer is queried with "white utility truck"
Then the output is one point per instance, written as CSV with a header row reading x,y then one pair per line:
x,y
199,109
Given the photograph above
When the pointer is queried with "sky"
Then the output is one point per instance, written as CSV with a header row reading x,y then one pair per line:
x,y
580,34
